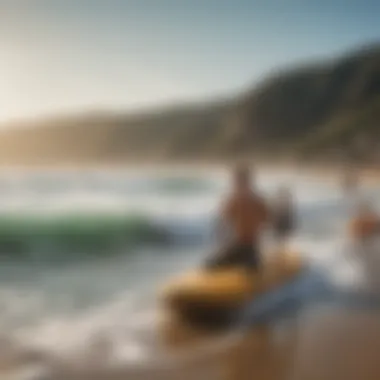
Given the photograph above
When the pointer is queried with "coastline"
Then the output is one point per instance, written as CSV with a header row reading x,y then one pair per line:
x,y
369,174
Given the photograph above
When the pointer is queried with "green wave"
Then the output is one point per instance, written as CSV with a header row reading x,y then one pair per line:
x,y
84,233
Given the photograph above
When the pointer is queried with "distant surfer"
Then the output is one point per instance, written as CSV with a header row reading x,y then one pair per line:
x,y
245,214
283,217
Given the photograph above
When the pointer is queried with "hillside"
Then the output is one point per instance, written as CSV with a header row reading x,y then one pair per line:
x,y
314,109
329,110
113,138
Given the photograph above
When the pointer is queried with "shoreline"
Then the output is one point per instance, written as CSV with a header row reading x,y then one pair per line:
x,y
326,171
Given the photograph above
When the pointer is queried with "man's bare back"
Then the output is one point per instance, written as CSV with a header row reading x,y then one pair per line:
x,y
245,214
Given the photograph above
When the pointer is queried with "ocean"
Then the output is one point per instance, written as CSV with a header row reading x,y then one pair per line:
x,y
83,252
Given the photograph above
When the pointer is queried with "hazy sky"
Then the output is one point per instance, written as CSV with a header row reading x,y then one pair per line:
x,y
72,55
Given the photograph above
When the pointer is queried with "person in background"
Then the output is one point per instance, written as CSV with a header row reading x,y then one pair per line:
x,y
365,223
283,217
244,213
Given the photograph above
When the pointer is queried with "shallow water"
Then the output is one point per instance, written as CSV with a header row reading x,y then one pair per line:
x,y
82,252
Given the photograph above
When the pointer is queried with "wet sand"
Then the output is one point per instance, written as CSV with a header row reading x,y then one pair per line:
x,y
339,345
332,344
325,342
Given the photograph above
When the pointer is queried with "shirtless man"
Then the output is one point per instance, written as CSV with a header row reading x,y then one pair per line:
x,y
245,214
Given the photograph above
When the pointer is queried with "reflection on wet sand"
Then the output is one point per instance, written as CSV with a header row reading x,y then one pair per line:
x,y
334,335
334,344
341,344
325,343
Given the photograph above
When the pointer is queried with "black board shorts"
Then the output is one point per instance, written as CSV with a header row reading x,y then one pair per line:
x,y
235,255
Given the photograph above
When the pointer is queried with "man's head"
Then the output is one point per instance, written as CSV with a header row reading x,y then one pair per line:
x,y
242,177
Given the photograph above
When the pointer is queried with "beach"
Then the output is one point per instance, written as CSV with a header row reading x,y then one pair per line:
x,y
90,254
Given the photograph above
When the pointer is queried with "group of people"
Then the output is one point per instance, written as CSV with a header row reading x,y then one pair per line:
x,y
247,214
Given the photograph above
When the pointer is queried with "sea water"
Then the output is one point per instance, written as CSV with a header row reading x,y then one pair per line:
x,y
83,251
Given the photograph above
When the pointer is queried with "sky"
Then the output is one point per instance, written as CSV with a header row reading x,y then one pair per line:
x,y
59,56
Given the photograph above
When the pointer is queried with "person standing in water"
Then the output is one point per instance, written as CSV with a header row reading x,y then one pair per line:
x,y
245,214
283,217
365,224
